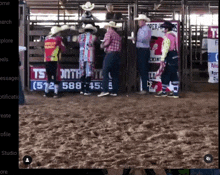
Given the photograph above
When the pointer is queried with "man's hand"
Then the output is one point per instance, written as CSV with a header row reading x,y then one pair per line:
x,y
102,45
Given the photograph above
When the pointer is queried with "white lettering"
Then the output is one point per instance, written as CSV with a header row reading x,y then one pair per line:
x,y
39,73
214,32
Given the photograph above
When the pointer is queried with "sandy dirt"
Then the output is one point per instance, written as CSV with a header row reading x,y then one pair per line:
x,y
134,131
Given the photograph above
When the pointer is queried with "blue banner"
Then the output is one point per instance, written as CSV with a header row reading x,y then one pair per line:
x,y
212,57
66,86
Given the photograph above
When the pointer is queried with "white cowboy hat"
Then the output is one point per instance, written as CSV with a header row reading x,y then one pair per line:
x,y
142,17
88,6
54,30
65,27
90,26
72,27
111,24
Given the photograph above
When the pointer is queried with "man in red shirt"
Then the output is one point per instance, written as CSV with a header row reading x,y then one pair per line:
x,y
53,46
111,63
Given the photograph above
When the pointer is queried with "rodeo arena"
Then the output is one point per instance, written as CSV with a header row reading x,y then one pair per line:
x,y
120,87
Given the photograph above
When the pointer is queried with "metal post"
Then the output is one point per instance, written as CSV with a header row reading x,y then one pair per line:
x,y
186,45
200,48
190,46
135,15
129,17
78,10
174,14
64,16
182,74
58,16
126,59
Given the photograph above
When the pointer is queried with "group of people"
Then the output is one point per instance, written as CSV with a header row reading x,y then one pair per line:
x,y
112,45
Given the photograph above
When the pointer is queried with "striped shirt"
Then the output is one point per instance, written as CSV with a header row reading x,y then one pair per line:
x,y
143,37
112,41
87,48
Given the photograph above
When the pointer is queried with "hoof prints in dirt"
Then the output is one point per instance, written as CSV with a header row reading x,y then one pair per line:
x,y
101,133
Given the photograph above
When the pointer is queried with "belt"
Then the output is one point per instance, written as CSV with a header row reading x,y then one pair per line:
x,y
113,52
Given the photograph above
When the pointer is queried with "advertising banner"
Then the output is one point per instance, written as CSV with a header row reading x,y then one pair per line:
x,y
155,84
70,79
212,43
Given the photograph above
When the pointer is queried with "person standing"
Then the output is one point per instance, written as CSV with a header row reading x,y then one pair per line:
x,y
111,62
53,46
86,56
143,50
87,16
111,15
169,62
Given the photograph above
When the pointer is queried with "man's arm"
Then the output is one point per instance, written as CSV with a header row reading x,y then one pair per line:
x,y
165,48
61,45
107,40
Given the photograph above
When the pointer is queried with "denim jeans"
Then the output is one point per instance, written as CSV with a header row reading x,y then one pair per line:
x,y
170,72
111,63
143,57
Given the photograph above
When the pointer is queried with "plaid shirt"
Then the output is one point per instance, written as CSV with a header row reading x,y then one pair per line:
x,y
112,41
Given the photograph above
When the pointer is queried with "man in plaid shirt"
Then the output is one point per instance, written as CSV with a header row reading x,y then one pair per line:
x,y
111,63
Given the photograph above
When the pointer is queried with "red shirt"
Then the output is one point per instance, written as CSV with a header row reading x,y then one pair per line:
x,y
52,46
112,41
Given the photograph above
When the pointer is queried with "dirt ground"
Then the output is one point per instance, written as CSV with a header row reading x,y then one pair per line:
x,y
131,130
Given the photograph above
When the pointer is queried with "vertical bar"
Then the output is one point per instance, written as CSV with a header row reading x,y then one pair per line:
x,y
78,10
186,46
58,16
182,55
174,14
129,17
200,49
196,42
190,52
64,16
28,39
126,58
137,82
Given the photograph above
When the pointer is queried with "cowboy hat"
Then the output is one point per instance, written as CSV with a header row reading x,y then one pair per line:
x,y
142,17
54,30
167,24
90,26
111,24
65,27
72,27
88,6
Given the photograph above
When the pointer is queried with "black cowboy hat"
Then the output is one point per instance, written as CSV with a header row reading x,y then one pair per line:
x,y
167,24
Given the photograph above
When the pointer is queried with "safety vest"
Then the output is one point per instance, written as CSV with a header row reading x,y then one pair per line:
x,y
53,46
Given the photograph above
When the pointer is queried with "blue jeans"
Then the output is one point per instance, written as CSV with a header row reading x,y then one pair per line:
x,y
143,57
111,63
171,69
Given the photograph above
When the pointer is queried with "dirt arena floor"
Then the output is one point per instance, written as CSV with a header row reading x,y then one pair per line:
x,y
118,132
